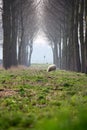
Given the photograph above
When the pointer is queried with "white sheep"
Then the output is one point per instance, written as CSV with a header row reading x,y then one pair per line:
x,y
51,68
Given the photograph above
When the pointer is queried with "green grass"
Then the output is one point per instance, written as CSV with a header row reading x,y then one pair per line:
x,y
33,99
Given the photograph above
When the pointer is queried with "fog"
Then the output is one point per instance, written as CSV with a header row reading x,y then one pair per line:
x,y
42,53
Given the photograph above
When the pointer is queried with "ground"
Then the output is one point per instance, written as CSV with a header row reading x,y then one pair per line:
x,y
34,99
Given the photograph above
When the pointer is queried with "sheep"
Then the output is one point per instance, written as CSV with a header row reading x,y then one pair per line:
x,y
51,68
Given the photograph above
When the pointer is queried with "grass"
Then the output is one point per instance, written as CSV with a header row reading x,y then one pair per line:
x,y
33,99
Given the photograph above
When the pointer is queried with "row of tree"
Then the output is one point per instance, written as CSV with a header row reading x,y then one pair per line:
x,y
65,24
19,28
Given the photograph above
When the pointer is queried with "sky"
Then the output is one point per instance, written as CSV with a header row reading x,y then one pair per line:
x,y
42,52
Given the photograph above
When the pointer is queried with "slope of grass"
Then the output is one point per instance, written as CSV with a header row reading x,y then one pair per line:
x,y
33,99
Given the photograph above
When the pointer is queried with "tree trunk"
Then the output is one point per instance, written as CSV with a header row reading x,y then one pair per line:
x,y
76,44
71,49
22,46
82,36
6,34
55,54
60,49
14,38
29,50
9,35
64,51
30,54
65,36
22,52
86,34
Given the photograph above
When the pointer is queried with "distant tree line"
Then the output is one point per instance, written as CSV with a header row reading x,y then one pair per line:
x,y
64,23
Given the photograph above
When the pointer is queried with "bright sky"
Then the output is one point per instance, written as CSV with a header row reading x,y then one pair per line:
x,y
41,39
42,52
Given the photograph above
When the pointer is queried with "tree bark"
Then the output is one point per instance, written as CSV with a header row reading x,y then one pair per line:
x,y
64,51
60,49
9,35
30,54
82,36
6,34
14,37
55,54
76,44
86,34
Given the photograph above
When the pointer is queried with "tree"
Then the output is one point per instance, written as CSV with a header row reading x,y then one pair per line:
x,y
51,27
27,31
9,34
64,23
19,18
86,35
